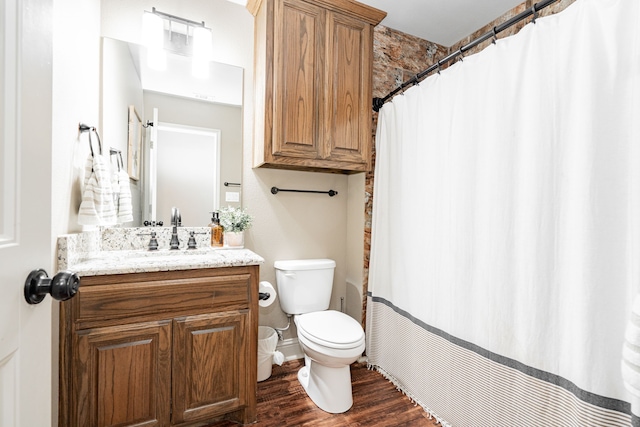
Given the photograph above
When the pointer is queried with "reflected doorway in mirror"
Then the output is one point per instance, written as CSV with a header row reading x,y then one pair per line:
x,y
187,172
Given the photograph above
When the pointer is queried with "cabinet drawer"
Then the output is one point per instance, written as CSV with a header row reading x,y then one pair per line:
x,y
140,298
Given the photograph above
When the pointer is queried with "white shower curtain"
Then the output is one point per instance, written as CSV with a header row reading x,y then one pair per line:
x,y
506,226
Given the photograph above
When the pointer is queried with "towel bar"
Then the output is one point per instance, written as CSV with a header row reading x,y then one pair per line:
x,y
276,190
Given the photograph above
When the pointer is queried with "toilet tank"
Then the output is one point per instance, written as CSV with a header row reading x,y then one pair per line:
x,y
305,285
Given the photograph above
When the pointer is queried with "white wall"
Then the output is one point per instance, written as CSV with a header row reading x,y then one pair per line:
x,y
355,246
120,88
76,77
287,225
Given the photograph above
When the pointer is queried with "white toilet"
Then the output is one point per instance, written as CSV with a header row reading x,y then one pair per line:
x,y
331,340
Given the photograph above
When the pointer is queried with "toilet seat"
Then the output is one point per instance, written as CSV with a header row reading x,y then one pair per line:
x,y
331,329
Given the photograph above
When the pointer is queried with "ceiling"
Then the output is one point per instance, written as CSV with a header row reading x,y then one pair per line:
x,y
441,21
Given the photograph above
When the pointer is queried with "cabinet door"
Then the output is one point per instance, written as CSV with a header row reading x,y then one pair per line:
x,y
348,96
209,376
298,79
122,375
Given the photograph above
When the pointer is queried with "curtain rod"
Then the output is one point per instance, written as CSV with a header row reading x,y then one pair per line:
x,y
533,10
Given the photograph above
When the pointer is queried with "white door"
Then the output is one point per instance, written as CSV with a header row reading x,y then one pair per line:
x,y
25,210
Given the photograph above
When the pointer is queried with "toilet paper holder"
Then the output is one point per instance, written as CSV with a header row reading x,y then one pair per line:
x,y
264,295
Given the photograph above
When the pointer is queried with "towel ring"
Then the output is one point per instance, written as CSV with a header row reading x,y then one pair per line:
x,y
93,129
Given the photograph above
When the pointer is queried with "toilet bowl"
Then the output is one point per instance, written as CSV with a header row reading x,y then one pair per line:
x,y
330,340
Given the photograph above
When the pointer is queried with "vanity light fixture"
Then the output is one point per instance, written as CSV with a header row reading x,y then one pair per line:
x,y
183,36
153,39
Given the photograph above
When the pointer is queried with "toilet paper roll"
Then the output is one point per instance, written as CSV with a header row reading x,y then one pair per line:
x,y
266,288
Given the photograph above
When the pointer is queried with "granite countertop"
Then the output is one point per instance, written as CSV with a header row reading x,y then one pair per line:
x,y
89,254
122,262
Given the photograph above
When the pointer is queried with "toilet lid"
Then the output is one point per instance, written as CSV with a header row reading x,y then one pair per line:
x,y
331,328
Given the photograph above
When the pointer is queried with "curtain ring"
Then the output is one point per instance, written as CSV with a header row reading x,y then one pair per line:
x,y
415,80
461,54
494,38
438,67
535,13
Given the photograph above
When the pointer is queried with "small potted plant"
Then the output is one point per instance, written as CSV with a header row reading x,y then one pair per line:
x,y
234,221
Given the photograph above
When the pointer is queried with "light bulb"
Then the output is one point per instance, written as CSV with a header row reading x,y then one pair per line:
x,y
202,52
152,30
153,39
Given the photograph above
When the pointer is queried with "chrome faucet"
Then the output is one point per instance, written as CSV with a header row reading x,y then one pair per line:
x,y
176,221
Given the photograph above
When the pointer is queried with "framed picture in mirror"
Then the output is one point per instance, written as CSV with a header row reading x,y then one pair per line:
x,y
135,144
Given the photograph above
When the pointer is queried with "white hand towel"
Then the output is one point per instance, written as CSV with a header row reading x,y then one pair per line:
x,y
88,215
115,185
125,208
97,206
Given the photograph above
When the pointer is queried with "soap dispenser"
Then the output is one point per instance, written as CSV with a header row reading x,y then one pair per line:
x,y
216,230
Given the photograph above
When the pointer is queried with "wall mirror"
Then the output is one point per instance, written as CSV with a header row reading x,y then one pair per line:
x,y
191,154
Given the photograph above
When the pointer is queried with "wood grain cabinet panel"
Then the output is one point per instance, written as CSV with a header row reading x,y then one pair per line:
x,y
123,375
142,298
175,348
298,80
208,375
313,81
349,88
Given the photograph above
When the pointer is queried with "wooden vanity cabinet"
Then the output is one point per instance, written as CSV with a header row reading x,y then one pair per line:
x,y
160,349
313,82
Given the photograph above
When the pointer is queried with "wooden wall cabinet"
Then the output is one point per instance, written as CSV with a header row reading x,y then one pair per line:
x,y
313,80
160,349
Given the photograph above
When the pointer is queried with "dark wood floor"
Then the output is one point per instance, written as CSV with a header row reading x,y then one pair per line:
x,y
282,402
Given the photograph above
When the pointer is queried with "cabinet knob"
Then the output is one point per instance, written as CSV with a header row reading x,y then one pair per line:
x,y
63,286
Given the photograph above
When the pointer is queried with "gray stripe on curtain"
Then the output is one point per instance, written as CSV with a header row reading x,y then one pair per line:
x,y
588,397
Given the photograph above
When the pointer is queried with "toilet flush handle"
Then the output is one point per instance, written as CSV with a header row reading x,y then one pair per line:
x,y
289,274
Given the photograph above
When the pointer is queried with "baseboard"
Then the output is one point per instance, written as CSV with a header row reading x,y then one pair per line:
x,y
290,348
